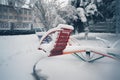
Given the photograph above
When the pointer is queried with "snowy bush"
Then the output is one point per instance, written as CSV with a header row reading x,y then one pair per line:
x,y
68,13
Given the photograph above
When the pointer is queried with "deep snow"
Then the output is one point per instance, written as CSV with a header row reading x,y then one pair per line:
x,y
19,53
68,67
17,56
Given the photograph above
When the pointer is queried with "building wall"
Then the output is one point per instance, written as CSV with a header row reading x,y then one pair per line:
x,y
15,18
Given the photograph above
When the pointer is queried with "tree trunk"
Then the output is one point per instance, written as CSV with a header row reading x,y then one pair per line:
x,y
41,9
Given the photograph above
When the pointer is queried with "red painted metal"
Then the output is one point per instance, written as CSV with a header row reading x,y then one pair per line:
x,y
61,42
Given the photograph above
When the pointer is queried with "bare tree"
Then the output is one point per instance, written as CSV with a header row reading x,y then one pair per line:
x,y
47,13
39,11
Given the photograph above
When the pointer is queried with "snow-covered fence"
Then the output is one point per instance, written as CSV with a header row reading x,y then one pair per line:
x,y
4,26
102,27
15,28
117,16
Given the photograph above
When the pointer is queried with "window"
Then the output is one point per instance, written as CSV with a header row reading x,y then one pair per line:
x,y
20,18
11,10
25,11
15,17
30,18
1,10
21,11
5,9
10,17
29,12
25,18
5,17
0,16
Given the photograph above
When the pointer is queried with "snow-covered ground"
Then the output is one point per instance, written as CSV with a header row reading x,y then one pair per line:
x,y
68,67
19,53
17,56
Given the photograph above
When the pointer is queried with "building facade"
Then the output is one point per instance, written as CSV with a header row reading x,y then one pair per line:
x,y
15,19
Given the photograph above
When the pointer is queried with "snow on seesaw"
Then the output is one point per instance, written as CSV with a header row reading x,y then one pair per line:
x,y
19,53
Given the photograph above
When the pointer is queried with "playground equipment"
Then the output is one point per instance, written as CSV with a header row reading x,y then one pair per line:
x,y
59,42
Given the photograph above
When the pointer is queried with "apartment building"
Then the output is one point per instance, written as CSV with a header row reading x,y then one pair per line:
x,y
15,18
